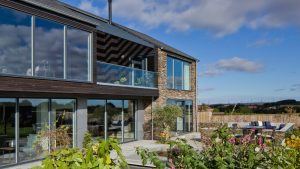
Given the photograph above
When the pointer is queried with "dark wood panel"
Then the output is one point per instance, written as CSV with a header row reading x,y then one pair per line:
x,y
55,87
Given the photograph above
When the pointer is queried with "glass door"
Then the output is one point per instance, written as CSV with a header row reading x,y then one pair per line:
x,y
114,119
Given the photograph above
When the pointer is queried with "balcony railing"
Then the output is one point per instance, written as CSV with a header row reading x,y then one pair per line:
x,y
125,76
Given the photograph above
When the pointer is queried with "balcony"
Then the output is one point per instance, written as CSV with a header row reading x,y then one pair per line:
x,y
111,74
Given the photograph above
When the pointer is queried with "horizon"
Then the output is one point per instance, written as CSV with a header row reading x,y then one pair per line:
x,y
247,51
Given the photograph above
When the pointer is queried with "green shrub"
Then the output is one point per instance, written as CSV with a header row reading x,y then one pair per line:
x,y
94,156
166,116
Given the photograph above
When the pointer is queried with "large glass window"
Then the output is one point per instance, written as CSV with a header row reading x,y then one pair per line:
x,y
178,74
185,122
96,118
15,45
33,118
7,131
114,119
62,111
58,51
78,54
49,49
129,120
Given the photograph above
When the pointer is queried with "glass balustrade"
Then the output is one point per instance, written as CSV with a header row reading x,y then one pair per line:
x,y
121,75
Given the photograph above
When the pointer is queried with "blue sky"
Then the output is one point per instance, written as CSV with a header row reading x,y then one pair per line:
x,y
248,51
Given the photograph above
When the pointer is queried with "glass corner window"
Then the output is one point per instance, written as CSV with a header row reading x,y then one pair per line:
x,y
178,74
33,46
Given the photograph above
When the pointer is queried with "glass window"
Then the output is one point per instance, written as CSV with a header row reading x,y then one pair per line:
x,y
187,114
7,131
186,77
49,49
15,45
129,120
96,118
178,74
33,118
62,116
114,119
170,73
77,54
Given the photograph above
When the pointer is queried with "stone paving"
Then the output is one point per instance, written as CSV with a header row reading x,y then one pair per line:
x,y
129,152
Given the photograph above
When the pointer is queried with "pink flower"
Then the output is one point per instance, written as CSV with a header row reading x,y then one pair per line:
x,y
231,140
173,167
170,160
246,139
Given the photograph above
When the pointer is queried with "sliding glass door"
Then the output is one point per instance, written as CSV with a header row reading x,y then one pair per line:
x,y
62,112
96,118
112,119
33,119
7,131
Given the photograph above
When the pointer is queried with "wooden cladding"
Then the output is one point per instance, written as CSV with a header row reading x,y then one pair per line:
x,y
66,88
116,50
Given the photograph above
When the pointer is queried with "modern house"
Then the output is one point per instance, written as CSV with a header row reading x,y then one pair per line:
x,y
60,65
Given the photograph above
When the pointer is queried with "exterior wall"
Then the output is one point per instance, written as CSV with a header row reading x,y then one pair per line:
x,y
165,93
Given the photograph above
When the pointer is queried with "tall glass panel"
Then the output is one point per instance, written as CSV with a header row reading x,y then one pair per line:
x,y
49,49
188,116
186,77
129,120
33,119
7,131
178,73
77,54
114,119
170,72
96,118
15,45
62,111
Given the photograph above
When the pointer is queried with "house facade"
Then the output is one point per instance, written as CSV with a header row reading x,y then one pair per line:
x,y
60,65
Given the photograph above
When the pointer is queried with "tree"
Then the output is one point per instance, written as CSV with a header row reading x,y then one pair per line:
x,y
166,116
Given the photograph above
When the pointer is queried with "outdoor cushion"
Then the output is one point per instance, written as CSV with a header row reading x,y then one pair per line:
x,y
260,123
268,123
281,126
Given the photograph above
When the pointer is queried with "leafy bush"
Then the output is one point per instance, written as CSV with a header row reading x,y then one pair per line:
x,y
166,116
228,152
92,157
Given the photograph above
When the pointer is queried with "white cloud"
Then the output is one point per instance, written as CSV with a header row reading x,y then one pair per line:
x,y
265,42
234,64
221,17
87,5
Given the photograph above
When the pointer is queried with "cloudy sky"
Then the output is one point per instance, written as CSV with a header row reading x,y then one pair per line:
x,y
248,50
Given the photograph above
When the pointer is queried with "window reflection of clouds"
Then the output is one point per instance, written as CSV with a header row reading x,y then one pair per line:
x,y
77,51
15,44
49,49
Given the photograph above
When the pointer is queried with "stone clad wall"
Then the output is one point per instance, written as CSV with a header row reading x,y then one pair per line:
x,y
165,94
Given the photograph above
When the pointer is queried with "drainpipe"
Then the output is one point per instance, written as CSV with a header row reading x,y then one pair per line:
x,y
110,11
197,116
152,124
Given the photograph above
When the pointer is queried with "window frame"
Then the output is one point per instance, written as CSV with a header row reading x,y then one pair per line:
x,y
189,88
33,31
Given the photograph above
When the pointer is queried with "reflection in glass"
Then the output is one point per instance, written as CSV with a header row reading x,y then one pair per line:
x,y
129,120
186,77
15,46
187,114
178,74
114,119
33,118
7,131
78,54
96,121
49,49
62,116
170,73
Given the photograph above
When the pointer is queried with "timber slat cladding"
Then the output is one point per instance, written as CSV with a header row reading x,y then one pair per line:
x,y
18,84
